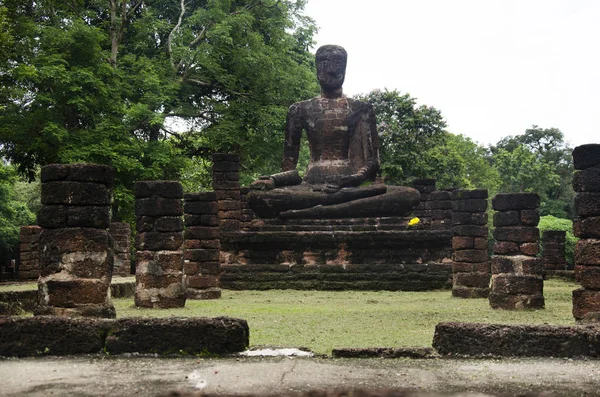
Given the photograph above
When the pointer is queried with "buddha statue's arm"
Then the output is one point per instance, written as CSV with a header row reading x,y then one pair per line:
x,y
291,151
293,134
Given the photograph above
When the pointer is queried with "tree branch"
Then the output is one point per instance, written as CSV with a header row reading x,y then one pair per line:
x,y
176,28
198,82
201,35
139,3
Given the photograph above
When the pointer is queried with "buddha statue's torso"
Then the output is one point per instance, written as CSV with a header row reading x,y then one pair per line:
x,y
329,137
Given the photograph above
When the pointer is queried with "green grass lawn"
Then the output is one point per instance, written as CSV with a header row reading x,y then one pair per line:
x,y
323,320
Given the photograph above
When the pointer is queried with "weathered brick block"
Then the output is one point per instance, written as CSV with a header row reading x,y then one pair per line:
x,y
76,193
587,204
517,284
587,180
157,206
587,227
586,156
517,234
515,201
469,205
507,218
473,280
585,301
587,252
156,241
201,233
470,255
164,189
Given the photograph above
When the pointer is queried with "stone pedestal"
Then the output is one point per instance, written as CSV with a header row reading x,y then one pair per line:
x,y
553,243
75,248
226,184
586,182
202,246
470,264
29,263
159,244
121,234
517,282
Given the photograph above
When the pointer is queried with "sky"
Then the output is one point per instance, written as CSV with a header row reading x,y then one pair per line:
x,y
492,67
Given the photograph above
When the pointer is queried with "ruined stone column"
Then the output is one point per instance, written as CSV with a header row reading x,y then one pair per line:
x,y
423,211
586,182
202,246
553,243
159,244
441,210
75,248
517,281
226,184
470,261
29,266
121,234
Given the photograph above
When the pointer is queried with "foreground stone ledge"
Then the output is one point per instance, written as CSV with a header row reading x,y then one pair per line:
x,y
482,340
384,352
49,335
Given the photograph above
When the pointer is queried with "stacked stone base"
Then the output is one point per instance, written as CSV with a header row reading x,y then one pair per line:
x,y
121,234
201,255
470,265
159,244
75,247
517,282
553,242
337,254
29,263
586,182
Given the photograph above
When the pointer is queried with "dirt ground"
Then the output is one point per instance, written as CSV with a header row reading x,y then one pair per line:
x,y
151,376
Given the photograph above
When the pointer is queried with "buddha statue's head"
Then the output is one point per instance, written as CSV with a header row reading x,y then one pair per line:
x,y
331,67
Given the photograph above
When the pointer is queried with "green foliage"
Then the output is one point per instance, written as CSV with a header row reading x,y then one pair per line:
x,y
142,84
550,222
13,213
538,161
461,163
406,133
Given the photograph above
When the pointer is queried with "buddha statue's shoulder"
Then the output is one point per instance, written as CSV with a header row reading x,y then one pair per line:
x,y
359,106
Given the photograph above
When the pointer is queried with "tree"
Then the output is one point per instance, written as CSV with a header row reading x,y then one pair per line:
x,y
406,133
461,163
13,213
139,84
548,151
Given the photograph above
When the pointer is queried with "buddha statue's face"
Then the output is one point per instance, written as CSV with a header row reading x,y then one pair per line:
x,y
331,67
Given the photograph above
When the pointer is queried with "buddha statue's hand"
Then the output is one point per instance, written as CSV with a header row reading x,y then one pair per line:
x,y
351,180
263,183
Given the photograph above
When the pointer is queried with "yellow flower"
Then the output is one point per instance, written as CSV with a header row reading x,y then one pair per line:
x,y
414,221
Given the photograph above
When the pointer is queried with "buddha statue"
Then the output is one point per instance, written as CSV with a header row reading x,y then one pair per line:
x,y
344,157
